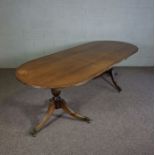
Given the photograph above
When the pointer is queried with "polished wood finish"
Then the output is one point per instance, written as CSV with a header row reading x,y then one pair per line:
x,y
56,103
74,66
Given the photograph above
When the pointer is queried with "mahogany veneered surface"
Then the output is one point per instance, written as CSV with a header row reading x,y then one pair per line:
x,y
74,66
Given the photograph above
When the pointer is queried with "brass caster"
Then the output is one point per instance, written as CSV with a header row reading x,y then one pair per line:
x,y
119,89
33,132
86,119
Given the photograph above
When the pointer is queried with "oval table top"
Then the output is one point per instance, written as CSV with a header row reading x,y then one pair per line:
x,y
74,66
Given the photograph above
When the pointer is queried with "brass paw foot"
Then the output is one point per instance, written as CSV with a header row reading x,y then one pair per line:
x,y
86,119
118,88
74,114
33,132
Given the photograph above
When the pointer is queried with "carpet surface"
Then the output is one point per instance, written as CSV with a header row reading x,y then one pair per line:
x,y
122,123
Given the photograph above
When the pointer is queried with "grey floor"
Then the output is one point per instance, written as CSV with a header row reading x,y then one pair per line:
x,y
122,122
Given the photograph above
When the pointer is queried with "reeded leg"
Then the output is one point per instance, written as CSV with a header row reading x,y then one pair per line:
x,y
44,120
110,72
74,114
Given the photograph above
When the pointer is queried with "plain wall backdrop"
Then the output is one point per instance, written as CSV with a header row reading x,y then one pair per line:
x,y
33,28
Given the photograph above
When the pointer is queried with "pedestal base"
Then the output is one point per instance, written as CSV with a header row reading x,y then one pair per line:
x,y
55,103
110,72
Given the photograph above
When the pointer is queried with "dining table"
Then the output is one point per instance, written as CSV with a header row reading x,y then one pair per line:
x,y
72,67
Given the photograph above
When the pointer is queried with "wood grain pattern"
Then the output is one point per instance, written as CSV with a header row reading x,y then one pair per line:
x,y
74,66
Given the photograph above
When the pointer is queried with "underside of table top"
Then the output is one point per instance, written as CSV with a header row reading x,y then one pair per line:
x,y
74,66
